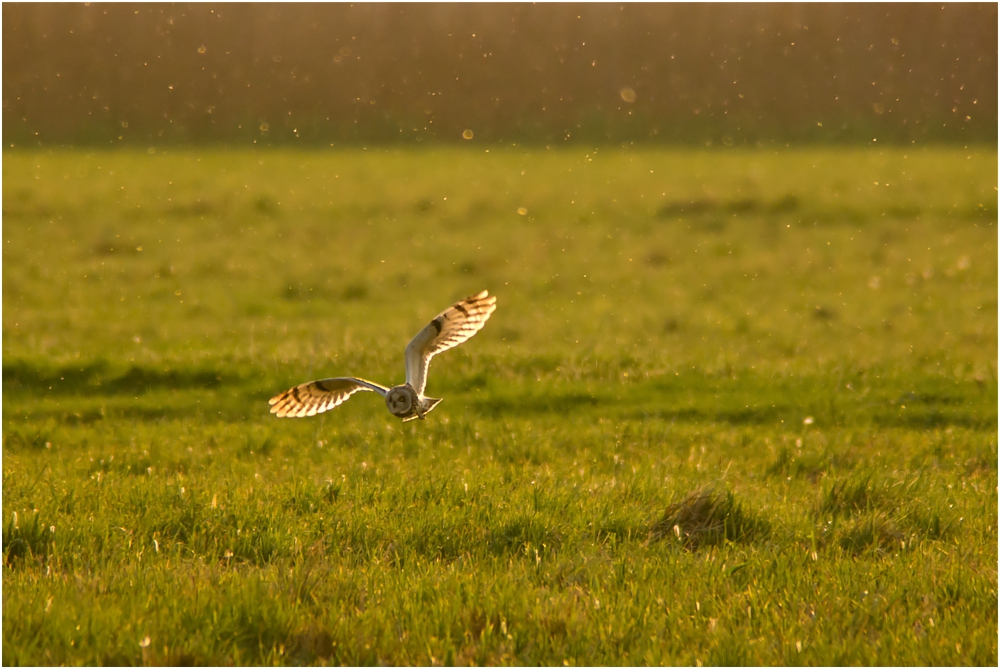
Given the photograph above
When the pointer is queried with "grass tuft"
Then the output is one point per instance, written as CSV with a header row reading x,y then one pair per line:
x,y
861,491
709,518
883,513
524,533
875,531
26,540
808,465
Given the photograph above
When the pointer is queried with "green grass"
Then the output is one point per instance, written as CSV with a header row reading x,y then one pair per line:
x,y
734,407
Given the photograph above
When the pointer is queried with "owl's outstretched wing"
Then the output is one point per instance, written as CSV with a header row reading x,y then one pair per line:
x,y
309,399
449,328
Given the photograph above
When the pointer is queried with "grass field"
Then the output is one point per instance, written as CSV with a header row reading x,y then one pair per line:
x,y
734,407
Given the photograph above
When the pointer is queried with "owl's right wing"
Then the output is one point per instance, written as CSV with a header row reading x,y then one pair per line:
x,y
309,399
450,328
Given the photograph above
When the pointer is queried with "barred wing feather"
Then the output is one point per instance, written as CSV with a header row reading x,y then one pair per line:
x,y
450,328
309,399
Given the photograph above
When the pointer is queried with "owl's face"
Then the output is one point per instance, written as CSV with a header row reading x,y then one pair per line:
x,y
401,400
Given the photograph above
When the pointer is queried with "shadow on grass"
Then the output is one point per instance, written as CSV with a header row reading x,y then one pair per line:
x,y
731,408
101,378
743,206
560,403
745,416
30,428
694,398
572,403
29,539
930,418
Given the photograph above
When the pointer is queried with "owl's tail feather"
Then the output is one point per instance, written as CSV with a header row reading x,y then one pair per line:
x,y
426,405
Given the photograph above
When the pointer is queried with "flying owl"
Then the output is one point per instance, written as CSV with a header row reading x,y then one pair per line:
x,y
449,328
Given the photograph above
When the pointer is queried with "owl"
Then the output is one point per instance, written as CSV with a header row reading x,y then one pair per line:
x,y
449,328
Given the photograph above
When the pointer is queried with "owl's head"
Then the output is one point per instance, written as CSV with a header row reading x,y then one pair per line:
x,y
401,400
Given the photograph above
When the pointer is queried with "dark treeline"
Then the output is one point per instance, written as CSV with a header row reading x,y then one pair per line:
x,y
334,73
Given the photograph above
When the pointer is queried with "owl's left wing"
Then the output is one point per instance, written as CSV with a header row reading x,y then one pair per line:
x,y
309,399
449,328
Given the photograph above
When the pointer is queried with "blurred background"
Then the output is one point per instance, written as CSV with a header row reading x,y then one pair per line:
x,y
100,74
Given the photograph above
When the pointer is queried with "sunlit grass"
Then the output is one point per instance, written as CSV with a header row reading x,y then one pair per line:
x,y
733,408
